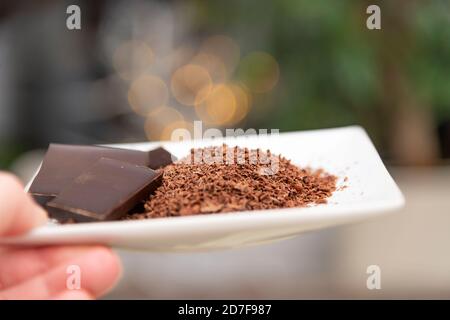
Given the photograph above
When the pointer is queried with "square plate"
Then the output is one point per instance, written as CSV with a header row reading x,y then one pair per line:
x,y
346,152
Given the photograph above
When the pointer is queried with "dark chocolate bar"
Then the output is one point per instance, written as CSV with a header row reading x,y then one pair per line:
x,y
160,158
108,190
63,163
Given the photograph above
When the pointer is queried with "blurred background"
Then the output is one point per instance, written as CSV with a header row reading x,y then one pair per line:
x,y
139,69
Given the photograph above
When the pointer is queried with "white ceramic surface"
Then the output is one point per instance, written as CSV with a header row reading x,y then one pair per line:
x,y
345,152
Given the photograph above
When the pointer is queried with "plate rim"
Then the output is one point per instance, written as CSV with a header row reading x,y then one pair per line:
x,y
222,220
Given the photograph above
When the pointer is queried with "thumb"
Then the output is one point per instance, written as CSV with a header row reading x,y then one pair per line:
x,y
18,211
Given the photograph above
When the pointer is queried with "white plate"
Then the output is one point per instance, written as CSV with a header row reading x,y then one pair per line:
x,y
345,152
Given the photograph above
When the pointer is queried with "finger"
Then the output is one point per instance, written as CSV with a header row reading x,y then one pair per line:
x,y
100,270
18,265
18,212
73,295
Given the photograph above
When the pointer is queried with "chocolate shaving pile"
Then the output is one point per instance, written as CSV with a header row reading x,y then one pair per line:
x,y
197,185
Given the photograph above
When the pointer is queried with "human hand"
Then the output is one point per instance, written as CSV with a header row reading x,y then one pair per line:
x,y
41,273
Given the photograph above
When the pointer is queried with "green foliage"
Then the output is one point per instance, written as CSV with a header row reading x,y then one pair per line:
x,y
430,64
330,66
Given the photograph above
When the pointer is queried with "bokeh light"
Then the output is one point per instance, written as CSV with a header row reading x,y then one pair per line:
x,y
167,131
224,48
179,56
146,93
243,103
219,106
132,58
159,119
213,64
259,71
188,82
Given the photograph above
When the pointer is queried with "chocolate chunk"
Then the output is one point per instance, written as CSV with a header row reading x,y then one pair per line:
x,y
108,190
160,158
42,199
63,163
